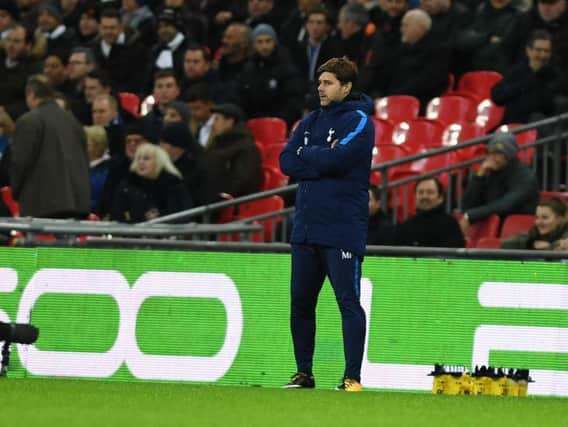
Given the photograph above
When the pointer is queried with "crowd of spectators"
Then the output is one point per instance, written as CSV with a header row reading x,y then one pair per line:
x,y
212,64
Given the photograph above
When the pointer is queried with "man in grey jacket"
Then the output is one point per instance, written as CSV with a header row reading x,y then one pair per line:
x,y
49,169
503,184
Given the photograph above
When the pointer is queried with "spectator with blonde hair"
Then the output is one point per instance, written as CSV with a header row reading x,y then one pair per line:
x,y
99,162
153,187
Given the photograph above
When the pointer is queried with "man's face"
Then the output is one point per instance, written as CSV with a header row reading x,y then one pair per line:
x,y
330,89
317,26
264,45
5,20
195,65
54,70
427,195
16,47
498,159
551,11
46,21
166,31
171,115
110,29
88,26
539,54
233,40
165,90
131,143
259,7
103,113
200,110
346,27
78,67
411,31
93,87
222,124
395,7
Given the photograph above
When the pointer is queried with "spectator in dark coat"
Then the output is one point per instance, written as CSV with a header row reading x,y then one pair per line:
x,y
165,90
503,185
55,69
120,53
183,150
481,42
106,113
59,38
192,20
138,18
418,67
88,28
232,163
269,84
153,188
527,91
172,43
381,228
15,68
198,67
431,226
354,42
9,15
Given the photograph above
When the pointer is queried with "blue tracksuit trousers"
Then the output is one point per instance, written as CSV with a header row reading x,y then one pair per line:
x,y
310,265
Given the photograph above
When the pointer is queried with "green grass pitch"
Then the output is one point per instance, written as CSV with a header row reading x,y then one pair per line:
x,y
53,402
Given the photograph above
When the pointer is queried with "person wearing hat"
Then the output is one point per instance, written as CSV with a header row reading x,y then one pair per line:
x,y
268,76
232,163
50,25
503,184
168,52
88,26
134,136
184,151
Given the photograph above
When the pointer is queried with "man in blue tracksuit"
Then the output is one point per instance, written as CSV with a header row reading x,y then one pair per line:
x,y
329,154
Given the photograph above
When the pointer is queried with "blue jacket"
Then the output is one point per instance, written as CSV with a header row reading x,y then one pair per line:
x,y
332,202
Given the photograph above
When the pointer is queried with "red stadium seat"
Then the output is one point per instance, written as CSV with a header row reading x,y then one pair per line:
x,y
383,130
385,153
418,133
559,194
489,115
460,132
12,205
515,224
522,138
271,155
268,130
273,178
489,227
488,243
432,163
130,102
402,198
451,108
397,108
479,83
259,207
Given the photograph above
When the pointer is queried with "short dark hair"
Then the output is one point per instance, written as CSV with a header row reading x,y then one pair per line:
x,y
556,205
203,49
344,69
89,55
100,75
110,12
538,35
320,10
162,74
439,185
39,85
198,92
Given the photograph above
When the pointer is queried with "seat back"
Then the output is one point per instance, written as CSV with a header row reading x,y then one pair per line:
x,y
273,178
418,133
489,227
12,205
271,155
515,224
460,132
488,243
385,153
479,83
259,207
383,130
489,115
559,194
451,108
268,130
397,108
130,102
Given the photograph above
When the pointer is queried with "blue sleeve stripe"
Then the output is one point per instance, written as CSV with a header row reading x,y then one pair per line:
x,y
357,130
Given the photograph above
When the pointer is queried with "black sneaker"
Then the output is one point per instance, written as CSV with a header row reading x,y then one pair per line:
x,y
349,384
301,380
